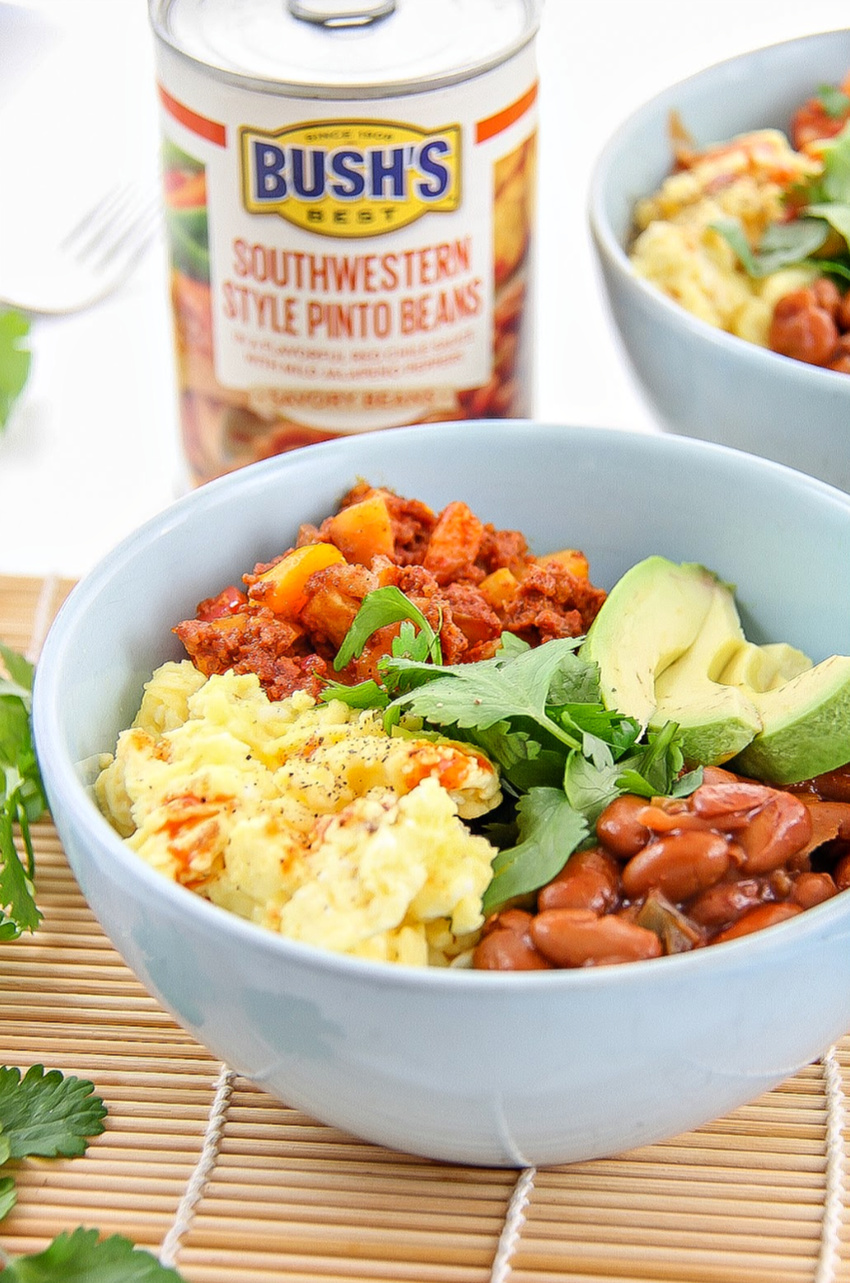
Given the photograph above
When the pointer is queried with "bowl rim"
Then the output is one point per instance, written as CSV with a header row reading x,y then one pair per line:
x,y
610,248
80,811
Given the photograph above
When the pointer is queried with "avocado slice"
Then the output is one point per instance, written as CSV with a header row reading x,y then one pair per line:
x,y
763,668
649,618
806,725
716,721
669,646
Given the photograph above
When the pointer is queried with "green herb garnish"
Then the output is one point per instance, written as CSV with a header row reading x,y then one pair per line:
x,y
43,1115
83,1257
782,245
824,209
22,797
834,101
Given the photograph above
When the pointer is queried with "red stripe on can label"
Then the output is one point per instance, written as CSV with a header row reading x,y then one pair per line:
x,y
496,124
200,125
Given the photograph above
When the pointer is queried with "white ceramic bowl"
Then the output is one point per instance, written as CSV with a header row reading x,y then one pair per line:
x,y
478,1067
699,380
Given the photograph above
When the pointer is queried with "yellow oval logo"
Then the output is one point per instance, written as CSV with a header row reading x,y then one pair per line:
x,y
352,177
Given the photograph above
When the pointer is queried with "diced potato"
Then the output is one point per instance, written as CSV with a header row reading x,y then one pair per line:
x,y
363,530
330,613
282,588
499,588
571,559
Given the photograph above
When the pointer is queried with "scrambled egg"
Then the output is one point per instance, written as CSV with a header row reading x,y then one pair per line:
x,y
678,251
305,818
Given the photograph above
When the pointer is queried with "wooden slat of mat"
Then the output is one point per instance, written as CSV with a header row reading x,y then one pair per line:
x,y
287,1199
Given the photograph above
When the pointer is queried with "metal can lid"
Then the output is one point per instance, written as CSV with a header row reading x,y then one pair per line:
x,y
346,48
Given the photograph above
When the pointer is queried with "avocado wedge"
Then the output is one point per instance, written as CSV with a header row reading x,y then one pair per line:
x,y
670,647
716,721
648,620
762,668
805,726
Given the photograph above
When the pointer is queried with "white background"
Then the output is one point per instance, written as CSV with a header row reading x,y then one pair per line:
x,y
93,449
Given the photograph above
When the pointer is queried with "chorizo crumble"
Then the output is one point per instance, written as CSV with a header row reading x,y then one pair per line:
x,y
470,580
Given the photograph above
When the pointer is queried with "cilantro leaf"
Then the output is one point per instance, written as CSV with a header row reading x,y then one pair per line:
x,y
389,606
657,762
793,243
549,831
15,361
8,1195
18,909
82,1257
836,216
835,181
46,1114
19,669
22,797
366,694
782,245
834,101
494,690
589,786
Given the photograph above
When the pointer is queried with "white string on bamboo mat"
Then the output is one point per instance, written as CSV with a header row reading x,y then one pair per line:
x,y
836,1118
202,1170
43,616
512,1228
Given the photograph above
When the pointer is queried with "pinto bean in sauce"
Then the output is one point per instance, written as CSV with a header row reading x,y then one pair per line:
x,y
675,874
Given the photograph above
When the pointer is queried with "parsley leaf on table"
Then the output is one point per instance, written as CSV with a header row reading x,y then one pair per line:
x,y
15,361
22,798
46,1115
82,1257
8,1194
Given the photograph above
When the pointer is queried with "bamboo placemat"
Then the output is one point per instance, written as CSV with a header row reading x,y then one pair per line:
x,y
229,1186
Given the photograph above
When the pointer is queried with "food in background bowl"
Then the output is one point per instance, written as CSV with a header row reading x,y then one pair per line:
x,y
750,234
461,1064
699,379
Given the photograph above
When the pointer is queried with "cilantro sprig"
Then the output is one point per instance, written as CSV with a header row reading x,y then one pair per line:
x,y
44,1114
82,1257
823,205
22,797
537,713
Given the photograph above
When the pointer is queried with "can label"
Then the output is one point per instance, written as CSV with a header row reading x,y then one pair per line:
x,y
355,178
363,268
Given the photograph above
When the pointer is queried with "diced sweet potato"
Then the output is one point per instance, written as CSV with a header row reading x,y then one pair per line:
x,y
454,542
329,614
283,587
499,588
363,530
571,559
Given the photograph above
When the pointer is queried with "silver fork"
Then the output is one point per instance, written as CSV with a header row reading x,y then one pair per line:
x,y
96,255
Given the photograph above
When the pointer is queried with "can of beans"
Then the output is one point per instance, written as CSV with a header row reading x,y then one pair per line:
x,y
349,190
